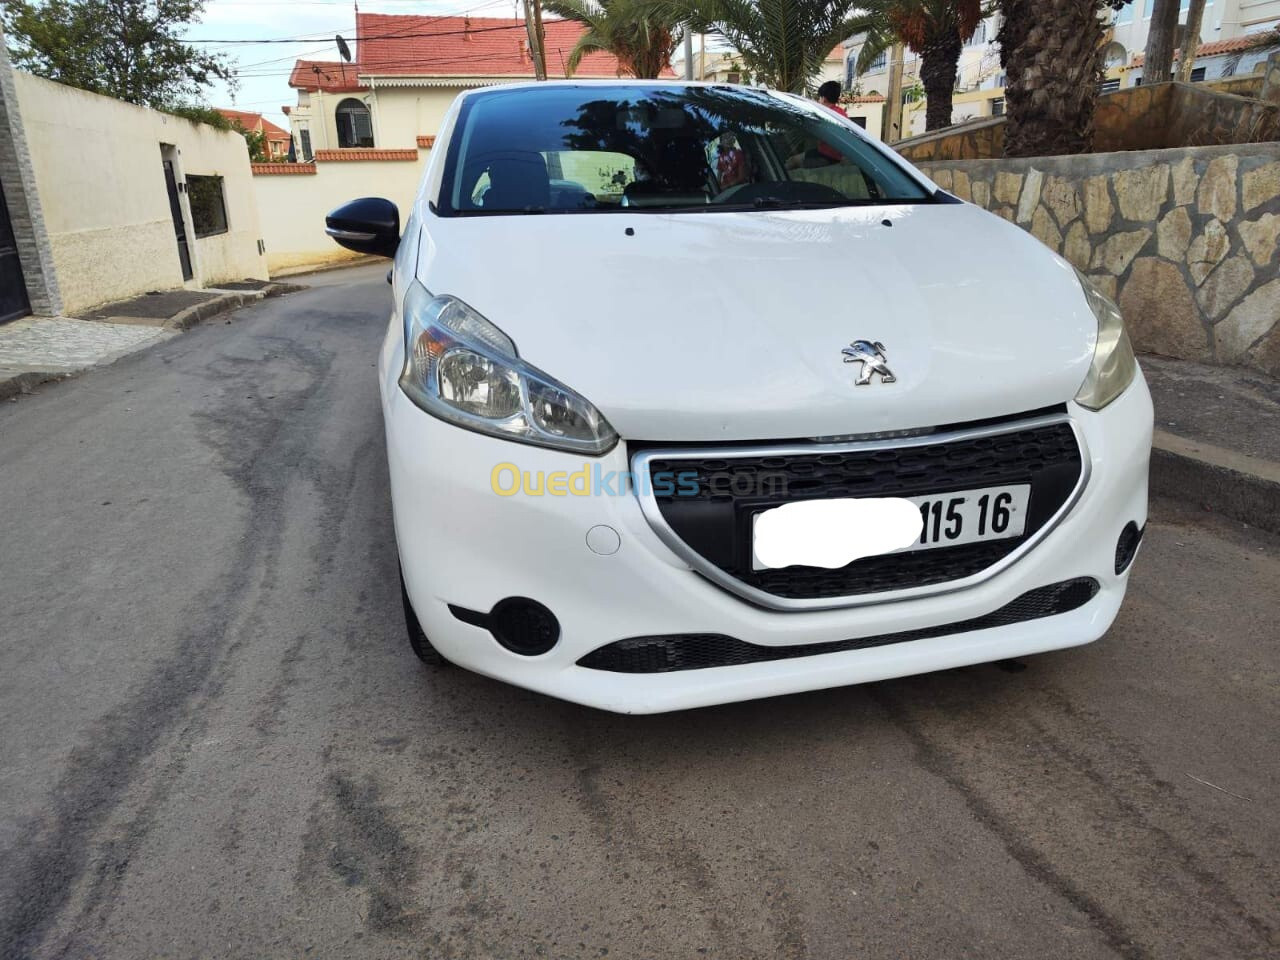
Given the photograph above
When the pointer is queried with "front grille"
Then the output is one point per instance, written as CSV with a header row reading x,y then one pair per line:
x,y
715,521
698,651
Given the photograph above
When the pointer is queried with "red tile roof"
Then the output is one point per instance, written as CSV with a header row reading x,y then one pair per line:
x,y
426,141
366,153
283,169
331,76
254,122
394,45
1212,49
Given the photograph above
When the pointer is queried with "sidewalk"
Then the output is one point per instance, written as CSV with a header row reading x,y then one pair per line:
x,y
1217,438
35,350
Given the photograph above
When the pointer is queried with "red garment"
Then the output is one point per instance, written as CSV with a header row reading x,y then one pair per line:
x,y
831,153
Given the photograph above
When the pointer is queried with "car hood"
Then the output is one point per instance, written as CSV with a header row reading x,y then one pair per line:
x,y
730,326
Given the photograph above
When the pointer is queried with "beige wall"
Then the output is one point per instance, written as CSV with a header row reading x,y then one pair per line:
x,y
400,114
293,207
101,182
873,113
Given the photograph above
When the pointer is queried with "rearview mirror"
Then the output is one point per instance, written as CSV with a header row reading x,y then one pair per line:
x,y
368,225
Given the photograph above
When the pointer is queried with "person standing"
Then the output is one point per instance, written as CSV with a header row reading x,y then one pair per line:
x,y
829,97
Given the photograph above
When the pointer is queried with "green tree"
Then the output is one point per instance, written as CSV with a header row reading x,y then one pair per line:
x,y
934,29
1052,54
256,141
127,49
634,31
783,43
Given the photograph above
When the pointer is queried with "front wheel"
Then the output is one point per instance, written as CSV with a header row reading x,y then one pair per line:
x,y
417,636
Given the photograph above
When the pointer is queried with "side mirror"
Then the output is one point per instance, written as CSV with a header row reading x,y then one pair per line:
x,y
368,225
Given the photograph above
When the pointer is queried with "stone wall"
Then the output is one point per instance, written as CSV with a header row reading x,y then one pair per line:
x,y
1137,118
1246,85
1187,241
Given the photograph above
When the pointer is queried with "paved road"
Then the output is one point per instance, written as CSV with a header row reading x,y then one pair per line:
x,y
215,743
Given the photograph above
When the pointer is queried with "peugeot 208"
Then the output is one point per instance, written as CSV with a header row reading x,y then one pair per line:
x,y
695,393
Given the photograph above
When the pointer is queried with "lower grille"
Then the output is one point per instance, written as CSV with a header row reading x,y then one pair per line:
x,y
697,651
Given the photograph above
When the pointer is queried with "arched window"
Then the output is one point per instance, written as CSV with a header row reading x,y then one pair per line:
x,y
355,126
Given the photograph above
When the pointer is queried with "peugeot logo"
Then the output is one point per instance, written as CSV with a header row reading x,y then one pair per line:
x,y
870,354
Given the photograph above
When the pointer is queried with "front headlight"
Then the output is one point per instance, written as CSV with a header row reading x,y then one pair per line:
x,y
461,368
1114,364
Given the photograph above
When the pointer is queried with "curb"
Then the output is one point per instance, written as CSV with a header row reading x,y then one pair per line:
x,y
1224,481
232,300
26,382
183,320
305,269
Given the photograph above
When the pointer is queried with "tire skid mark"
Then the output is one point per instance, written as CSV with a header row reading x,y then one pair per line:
x,y
256,453
1129,767
353,837
617,828
1032,861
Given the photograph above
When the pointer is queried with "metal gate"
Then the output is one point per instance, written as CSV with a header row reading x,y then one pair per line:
x,y
13,290
179,228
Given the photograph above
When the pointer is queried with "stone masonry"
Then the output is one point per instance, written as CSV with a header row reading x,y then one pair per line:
x,y
1187,241
18,180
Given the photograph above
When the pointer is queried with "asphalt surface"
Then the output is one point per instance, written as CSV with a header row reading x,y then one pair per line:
x,y
215,742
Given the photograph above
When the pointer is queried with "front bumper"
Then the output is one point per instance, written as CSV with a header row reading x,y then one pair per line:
x,y
463,544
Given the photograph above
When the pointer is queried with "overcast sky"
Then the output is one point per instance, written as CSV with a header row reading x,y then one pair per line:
x,y
264,67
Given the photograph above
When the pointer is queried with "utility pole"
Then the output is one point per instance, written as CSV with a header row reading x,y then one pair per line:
x,y
540,64
688,52
893,115
1191,42
533,25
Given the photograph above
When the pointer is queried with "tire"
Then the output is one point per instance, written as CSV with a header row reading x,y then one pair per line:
x,y
422,647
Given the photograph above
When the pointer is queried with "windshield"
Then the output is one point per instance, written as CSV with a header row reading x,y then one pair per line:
x,y
591,148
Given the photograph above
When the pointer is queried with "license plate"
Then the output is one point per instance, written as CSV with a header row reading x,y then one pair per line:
x,y
961,517
971,516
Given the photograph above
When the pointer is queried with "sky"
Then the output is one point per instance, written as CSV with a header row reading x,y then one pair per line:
x,y
264,67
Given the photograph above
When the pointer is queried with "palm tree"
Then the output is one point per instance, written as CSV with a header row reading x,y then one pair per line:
x,y
636,33
934,29
783,43
1052,54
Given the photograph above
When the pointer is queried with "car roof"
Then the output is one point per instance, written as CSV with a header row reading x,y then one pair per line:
x,y
664,84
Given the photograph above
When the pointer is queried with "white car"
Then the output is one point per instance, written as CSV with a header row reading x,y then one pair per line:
x,y
695,394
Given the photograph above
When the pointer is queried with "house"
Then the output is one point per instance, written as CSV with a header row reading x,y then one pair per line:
x,y
406,72
717,62
1228,26
979,90
275,140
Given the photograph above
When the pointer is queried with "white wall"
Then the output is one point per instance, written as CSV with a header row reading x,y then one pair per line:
x,y
293,206
99,174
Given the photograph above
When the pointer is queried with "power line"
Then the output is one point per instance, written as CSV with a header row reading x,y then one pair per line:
x,y
384,36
